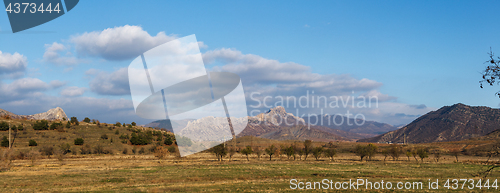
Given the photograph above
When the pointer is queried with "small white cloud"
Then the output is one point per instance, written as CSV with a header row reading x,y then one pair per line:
x,y
202,45
91,71
73,91
306,26
53,55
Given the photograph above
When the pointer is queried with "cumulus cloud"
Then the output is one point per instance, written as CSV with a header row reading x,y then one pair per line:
x,y
114,83
12,65
54,54
271,78
288,77
73,91
118,43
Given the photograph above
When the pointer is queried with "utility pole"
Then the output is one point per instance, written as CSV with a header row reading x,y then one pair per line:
x,y
10,143
404,139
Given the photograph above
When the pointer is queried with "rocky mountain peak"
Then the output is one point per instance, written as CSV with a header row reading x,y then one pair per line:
x,y
52,114
278,115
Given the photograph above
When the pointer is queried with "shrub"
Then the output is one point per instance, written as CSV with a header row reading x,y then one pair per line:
x,y
104,136
13,128
5,141
133,124
172,149
32,143
117,132
68,125
65,148
78,141
123,136
168,140
86,120
125,151
183,141
134,150
99,149
20,128
48,151
74,120
55,126
160,152
86,149
33,156
142,150
118,124
4,126
141,138
41,125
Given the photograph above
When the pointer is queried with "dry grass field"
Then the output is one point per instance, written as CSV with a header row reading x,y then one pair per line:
x,y
202,172
143,172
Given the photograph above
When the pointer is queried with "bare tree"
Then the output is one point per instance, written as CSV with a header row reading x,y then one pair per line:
x,y
307,148
232,151
456,153
437,156
317,151
247,151
491,74
395,152
271,150
258,152
330,152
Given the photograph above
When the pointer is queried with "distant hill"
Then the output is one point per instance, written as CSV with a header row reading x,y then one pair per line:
x,y
348,124
52,114
449,123
301,133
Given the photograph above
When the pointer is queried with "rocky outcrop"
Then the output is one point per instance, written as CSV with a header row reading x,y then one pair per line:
x,y
52,114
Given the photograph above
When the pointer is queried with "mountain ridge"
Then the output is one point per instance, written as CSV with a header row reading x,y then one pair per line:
x,y
449,123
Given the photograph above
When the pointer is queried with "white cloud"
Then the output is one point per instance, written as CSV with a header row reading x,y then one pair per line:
x,y
115,83
288,76
118,43
53,55
273,78
73,91
12,65
57,83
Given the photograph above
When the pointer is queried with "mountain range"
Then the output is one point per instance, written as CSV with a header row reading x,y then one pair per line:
x,y
277,124
449,123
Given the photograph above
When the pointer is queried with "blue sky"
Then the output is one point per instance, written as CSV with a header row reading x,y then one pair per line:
x,y
422,52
